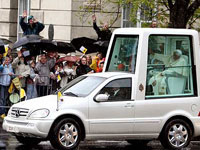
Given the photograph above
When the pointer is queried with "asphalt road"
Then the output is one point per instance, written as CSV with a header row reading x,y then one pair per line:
x,y
9,142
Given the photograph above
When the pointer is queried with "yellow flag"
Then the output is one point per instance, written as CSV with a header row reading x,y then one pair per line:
x,y
58,78
59,99
59,96
83,49
22,93
6,50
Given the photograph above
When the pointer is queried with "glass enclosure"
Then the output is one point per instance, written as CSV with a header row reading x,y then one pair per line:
x,y
123,54
169,68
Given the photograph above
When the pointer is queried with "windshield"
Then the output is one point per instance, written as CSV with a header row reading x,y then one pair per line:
x,y
123,54
82,86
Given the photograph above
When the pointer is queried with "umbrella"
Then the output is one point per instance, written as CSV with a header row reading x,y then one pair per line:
x,y
37,47
4,42
68,58
64,47
102,43
85,42
102,46
91,45
36,44
24,41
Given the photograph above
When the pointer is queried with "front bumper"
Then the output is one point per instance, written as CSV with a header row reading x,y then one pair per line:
x,y
28,128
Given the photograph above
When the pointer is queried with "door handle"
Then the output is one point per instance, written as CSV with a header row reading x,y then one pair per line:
x,y
129,105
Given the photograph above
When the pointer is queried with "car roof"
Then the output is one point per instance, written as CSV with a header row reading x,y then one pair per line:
x,y
140,31
108,74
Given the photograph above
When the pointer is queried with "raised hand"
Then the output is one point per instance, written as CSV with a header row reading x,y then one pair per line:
x,y
24,14
19,54
34,20
94,18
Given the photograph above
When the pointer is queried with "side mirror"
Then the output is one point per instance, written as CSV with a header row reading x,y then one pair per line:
x,y
101,98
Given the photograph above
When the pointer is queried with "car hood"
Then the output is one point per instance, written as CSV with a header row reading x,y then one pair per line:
x,y
49,102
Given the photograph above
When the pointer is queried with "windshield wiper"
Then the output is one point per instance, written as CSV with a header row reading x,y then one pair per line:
x,y
70,94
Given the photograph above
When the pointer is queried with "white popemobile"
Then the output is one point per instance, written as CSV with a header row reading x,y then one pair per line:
x,y
149,89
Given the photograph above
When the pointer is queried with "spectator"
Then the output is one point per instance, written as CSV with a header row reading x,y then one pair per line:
x,y
69,73
32,27
43,68
83,68
89,60
95,61
31,85
57,56
100,66
5,79
94,64
22,69
55,76
11,58
104,34
154,24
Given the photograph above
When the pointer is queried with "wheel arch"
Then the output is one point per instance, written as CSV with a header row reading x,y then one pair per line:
x,y
69,116
178,117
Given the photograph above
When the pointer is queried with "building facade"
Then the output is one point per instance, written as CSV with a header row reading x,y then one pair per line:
x,y
69,18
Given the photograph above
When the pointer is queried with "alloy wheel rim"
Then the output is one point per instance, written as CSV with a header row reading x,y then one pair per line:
x,y
68,134
178,135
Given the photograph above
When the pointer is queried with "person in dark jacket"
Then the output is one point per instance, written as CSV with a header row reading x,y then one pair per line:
x,y
32,27
83,68
104,34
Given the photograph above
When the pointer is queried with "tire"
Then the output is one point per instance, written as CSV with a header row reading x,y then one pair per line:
x,y
28,141
177,134
66,134
138,143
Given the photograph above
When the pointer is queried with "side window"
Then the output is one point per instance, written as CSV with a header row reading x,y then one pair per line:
x,y
118,90
169,68
123,54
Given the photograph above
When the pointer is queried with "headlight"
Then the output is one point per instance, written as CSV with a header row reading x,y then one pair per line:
x,y
40,113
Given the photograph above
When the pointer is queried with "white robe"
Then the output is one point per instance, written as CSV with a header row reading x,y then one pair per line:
x,y
175,68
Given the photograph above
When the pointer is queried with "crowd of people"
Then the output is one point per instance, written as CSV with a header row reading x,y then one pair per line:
x,y
41,75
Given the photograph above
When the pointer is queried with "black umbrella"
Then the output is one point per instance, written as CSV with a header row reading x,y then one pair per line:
x,y
102,43
84,42
64,47
91,45
102,46
24,41
35,45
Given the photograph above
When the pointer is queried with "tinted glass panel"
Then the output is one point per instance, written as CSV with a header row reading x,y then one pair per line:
x,y
82,86
123,54
118,90
169,68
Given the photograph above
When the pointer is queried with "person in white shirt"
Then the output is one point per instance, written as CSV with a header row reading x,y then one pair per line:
x,y
69,73
175,66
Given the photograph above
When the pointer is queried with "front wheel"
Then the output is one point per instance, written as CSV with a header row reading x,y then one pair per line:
x,y
66,134
176,134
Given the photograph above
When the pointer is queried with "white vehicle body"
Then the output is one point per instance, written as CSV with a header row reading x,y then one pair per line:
x,y
142,116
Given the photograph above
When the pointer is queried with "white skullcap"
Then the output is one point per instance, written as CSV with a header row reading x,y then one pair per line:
x,y
178,52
